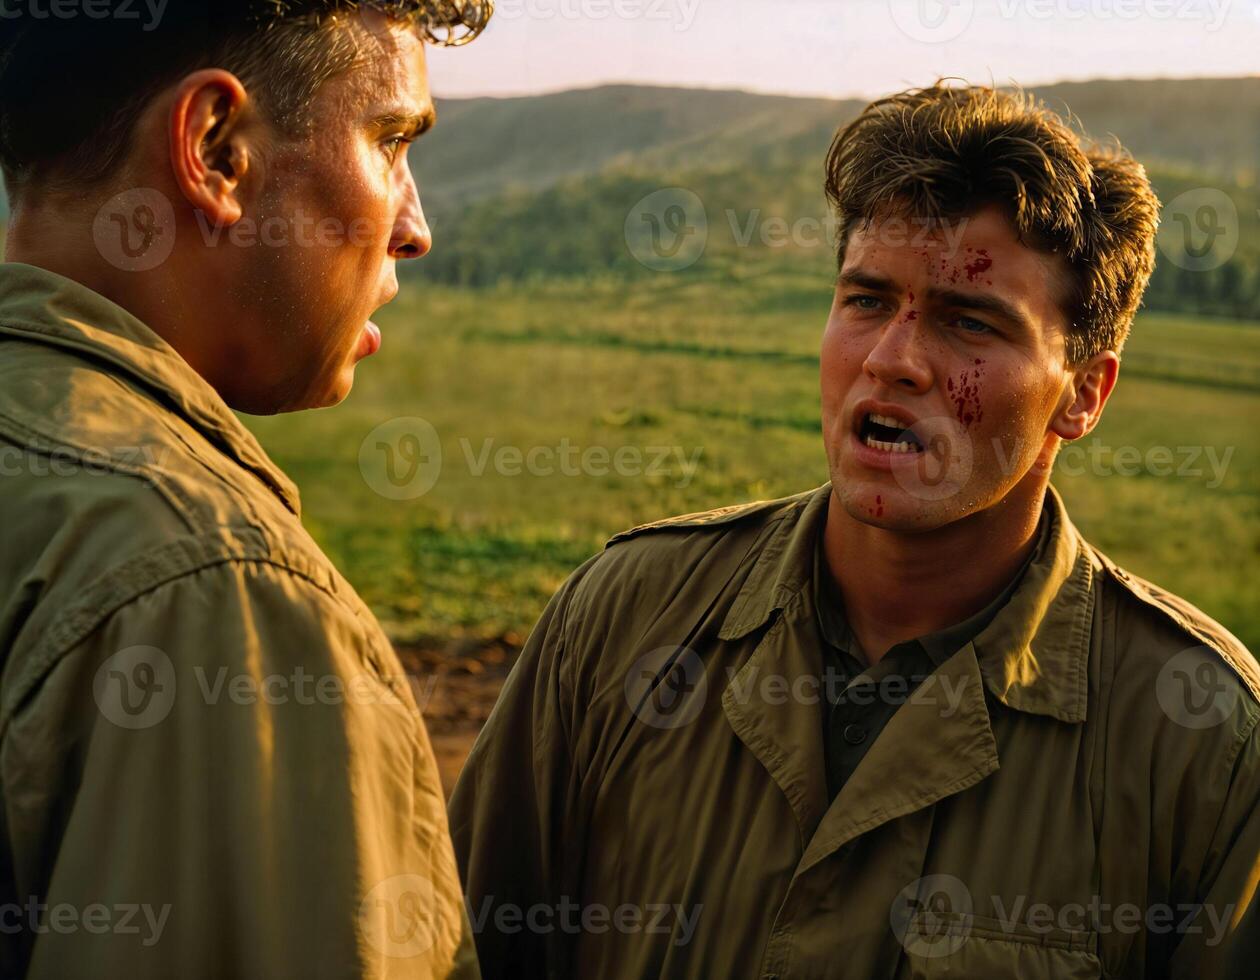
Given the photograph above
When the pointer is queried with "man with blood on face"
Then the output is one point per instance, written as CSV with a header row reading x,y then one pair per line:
x,y
946,393
867,730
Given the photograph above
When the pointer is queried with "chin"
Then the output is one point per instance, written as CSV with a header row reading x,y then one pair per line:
x,y
326,394
888,506
335,393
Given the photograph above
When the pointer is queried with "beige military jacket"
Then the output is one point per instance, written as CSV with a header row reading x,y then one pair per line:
x,y
1074,794
211,764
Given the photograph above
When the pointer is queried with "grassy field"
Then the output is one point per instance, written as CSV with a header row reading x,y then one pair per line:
x,y
708,386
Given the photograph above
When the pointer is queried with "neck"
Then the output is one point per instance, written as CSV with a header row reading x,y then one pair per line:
x,y
60,239
899,586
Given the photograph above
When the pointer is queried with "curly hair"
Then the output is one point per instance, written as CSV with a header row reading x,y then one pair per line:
x,y
945,151
71,129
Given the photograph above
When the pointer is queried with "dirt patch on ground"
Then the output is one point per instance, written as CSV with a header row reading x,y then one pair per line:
x,y
456,685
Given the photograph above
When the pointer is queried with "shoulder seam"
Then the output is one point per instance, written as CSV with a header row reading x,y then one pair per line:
x,y
1140,590
41,442
717,519
124,584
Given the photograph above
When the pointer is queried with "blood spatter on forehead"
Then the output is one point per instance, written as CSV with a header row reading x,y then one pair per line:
x,y
911,314
980,264
948,269
965,394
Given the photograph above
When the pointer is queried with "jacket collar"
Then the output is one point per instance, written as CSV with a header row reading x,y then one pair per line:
x,y
1032,656
42,307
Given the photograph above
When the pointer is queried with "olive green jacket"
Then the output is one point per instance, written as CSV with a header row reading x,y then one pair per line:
x,y
211,764
1073,794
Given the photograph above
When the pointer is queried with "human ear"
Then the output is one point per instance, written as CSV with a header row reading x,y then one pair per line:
x,y
1082,405
209,146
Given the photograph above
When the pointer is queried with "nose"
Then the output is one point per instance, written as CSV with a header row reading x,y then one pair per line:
x,y
411,237
897,359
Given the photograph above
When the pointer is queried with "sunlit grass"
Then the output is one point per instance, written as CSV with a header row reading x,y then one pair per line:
x,y
725,369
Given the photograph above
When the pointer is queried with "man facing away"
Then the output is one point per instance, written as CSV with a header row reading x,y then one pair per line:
x,y
206,211
910,724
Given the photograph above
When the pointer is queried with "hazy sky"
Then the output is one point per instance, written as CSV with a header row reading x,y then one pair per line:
x,y
845,47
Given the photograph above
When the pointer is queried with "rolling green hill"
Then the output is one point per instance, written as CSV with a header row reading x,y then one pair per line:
x,y
756,219
542,187
483,147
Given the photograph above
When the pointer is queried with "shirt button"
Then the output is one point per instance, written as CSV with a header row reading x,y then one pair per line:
x,y
854,734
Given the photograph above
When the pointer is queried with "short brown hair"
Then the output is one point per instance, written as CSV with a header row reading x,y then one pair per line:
x,y
945,151
60,131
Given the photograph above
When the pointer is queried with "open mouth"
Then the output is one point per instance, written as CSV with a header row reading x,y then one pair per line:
x,y
887,434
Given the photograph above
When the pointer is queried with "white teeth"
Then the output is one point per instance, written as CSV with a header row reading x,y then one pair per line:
x,y
887,420
891,447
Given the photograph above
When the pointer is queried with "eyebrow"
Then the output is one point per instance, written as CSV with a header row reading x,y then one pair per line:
x,y
980,302
867,280
413,123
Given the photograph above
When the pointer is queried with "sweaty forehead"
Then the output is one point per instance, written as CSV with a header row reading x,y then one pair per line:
x,y
983,249
389,66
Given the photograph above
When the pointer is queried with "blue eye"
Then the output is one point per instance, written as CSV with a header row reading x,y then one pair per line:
x,y
973,326
863,302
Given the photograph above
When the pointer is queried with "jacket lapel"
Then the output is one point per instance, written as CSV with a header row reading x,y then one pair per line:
x,y
938,743
763,704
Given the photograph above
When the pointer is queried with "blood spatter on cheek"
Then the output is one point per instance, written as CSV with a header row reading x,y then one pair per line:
x,y
965,395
